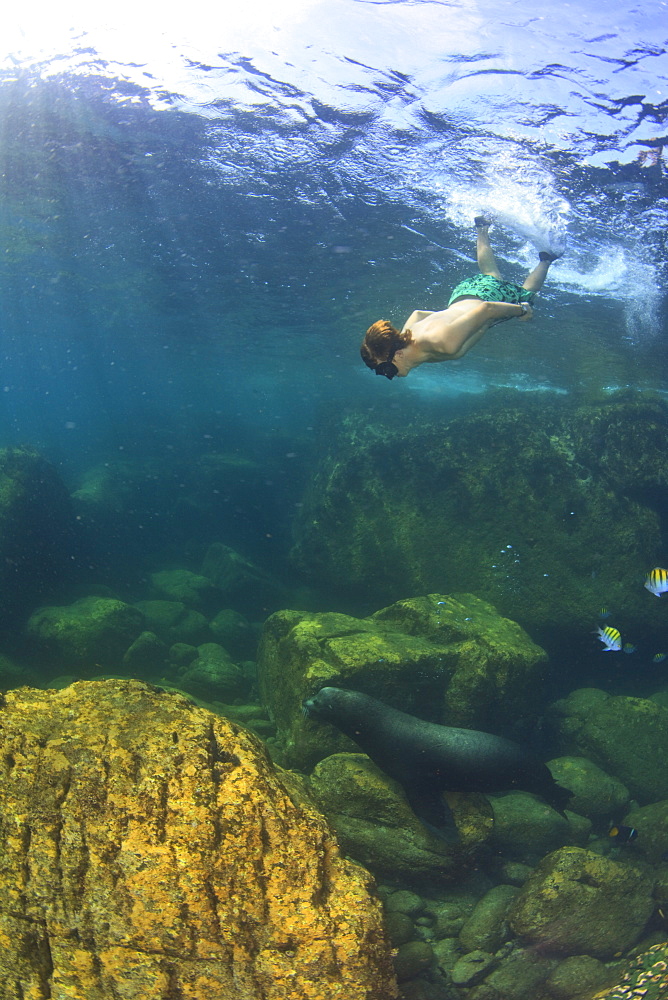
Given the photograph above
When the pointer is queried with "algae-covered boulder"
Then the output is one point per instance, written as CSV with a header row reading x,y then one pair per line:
x,y
626,737
39,536
174,622
519,977
212,675
487,928
452,660
377,827
651,822
192,589
246,587
91,632
538,506
578,903
146,655
526,828
595,793
235,633
578,977
151,850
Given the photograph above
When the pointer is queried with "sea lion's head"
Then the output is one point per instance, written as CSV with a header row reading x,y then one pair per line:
x,y
323,704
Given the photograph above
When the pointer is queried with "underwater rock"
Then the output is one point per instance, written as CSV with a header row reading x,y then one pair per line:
x,y
521,503
150,849
212,675
174,622
519,976
411,959
451,660
526,828
39,534
192,589
578,903
399,928
377,827
447,953
595,793
235,633
486,928
182,653
626,737
471,968
651,822
147,654
91,632
579,976
243,585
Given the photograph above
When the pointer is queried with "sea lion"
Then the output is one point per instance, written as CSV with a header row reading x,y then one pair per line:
x,y
428,759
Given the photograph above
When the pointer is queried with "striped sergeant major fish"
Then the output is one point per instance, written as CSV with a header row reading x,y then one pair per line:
x,y
657,581
610,638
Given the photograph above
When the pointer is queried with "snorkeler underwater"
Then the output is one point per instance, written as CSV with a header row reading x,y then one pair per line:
x,y
314,687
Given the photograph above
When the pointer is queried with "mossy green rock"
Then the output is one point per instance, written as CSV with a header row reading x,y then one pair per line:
x,y
174,623
377,827
212,674
486,929
579,977
579,903
452,660
235,633
575,491
192,589
246,587
595,793
147,654
651,822
520,976
373,822
91,632
526,827
626,737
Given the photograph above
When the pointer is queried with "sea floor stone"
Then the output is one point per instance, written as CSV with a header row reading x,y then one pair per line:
x,y
91,632
578,903
626,737
151,850
450,659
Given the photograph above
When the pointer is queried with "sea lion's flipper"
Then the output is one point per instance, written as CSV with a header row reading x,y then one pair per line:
x,y
430,806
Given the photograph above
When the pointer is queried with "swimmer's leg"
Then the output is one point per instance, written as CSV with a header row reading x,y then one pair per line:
x,y
535,280
486,259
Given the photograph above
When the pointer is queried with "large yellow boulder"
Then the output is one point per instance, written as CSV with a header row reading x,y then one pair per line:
x,y
151,850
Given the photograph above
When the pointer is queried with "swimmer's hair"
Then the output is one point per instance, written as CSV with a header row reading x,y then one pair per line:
x,y
381,341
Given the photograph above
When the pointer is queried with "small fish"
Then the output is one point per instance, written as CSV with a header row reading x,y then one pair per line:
x,y
623,834
657,581
604,613
610,638
629,647
659,657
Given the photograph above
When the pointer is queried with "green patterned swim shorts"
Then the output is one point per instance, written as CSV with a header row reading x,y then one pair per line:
x,y
490,289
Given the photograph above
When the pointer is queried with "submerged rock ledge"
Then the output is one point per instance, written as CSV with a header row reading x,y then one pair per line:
x,y
151,849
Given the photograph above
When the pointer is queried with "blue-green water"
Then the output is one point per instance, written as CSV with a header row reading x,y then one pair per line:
x,y
201,214
198,225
